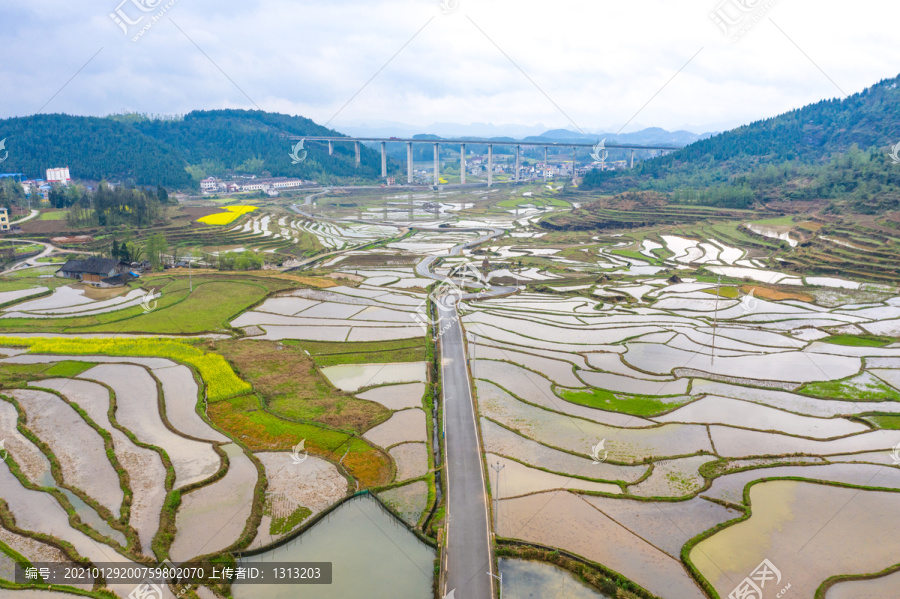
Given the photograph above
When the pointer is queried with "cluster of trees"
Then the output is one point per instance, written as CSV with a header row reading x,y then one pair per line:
x,y
11,193
109,207
154,250
248,260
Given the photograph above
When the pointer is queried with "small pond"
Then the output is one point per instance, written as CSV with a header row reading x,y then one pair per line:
x,y
523,579
373,556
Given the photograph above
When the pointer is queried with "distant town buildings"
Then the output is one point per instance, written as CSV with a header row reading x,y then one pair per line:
x,y
4,219
270,186
58,175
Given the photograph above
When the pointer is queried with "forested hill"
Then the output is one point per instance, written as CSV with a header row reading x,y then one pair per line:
x,y
93,148
250,141
177,152
830,149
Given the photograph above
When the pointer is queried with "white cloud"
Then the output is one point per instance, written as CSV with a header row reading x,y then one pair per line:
x,y
599,62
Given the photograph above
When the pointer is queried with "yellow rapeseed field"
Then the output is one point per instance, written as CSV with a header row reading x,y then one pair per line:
x,y
225,218
220,380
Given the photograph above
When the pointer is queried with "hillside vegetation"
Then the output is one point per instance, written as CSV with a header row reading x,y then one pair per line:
x,y
178,152
833,149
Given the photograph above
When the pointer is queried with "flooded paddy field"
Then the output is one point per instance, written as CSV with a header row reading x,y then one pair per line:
x,y
314,484
143,466
562,519
743,370
351,537
78,448
135,389
411,460
231,497
524,579
630,396
796,526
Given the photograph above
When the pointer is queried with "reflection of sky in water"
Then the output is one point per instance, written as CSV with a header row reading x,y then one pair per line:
x,y
524,579
373,556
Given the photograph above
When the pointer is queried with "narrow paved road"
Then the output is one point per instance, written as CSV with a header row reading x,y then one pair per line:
x,y
32,215
32,262
467,557
467,565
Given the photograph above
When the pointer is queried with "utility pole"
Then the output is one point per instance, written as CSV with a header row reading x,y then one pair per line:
x,y
474,349
498,467
500,586
716,318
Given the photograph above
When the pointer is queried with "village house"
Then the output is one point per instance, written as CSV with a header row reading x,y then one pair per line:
x,y
100,272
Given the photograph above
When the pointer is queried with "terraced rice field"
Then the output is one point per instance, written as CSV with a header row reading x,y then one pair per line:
x,y
674,406
584,385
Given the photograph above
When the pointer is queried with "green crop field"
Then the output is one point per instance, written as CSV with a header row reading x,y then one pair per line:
x,y
216,300
636,405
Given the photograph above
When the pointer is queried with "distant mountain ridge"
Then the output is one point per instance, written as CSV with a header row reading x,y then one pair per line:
x,y
650,136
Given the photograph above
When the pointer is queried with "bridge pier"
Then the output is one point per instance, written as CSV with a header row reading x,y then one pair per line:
x,y
573,165
409,163
331,148
383,160
545,165
632,158
490,164
462,164
437,164
517,163
358,160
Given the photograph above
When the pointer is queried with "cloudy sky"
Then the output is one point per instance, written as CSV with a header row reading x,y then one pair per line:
x,y
593,65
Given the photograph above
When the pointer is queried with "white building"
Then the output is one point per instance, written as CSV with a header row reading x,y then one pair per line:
x,y
58,175
286,183
209,185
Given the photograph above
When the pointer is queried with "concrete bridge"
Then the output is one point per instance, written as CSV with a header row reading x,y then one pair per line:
x,y
356,141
